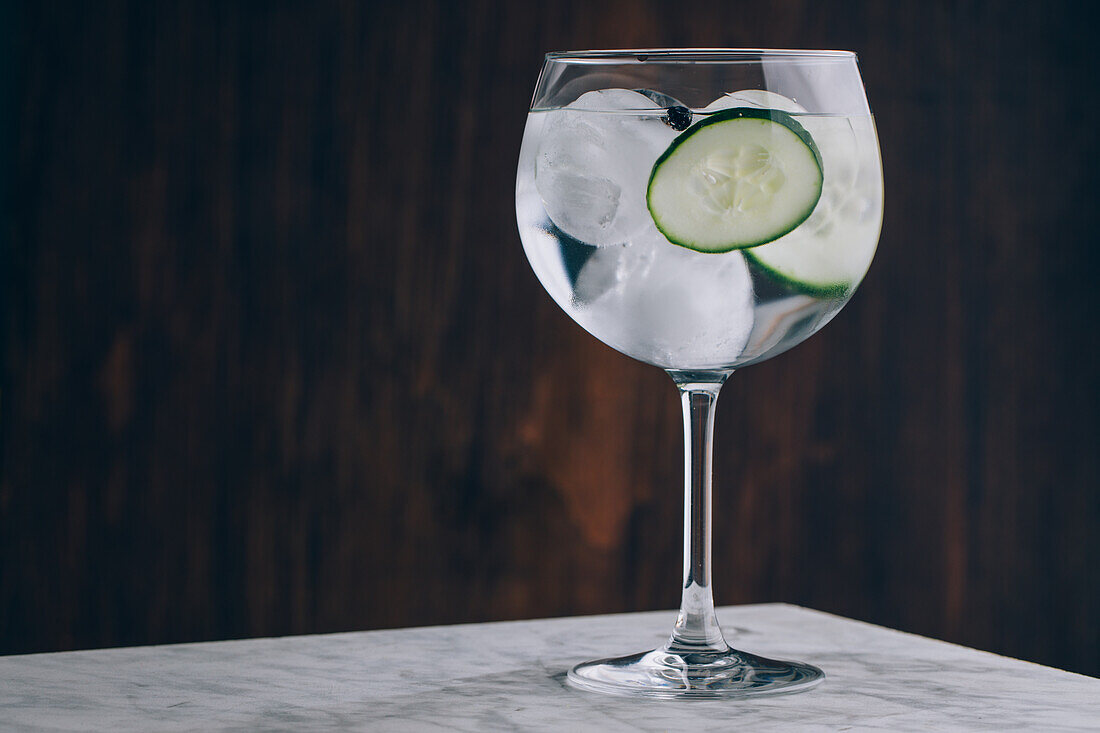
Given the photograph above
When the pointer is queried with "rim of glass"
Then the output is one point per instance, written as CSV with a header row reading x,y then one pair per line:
x,y
644,55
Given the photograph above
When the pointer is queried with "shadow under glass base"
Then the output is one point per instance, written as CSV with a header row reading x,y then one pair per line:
x,y
667,674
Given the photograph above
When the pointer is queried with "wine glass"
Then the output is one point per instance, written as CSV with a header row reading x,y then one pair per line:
x,y
699,210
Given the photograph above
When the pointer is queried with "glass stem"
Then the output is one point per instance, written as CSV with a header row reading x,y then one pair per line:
x,y
697,627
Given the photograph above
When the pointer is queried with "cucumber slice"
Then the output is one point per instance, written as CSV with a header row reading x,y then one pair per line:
x,y
809,266
742,177
830,253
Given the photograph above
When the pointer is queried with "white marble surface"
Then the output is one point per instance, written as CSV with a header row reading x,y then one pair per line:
x,y
509,676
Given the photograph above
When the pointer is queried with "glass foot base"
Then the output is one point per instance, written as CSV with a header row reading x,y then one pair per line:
x,y
668,674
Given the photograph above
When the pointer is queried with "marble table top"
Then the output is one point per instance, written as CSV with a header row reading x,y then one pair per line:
x,y
510,676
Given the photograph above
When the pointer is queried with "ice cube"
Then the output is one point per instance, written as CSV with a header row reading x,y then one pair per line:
x,y
660,98
669,305
697,307
755,98
609,269
594,161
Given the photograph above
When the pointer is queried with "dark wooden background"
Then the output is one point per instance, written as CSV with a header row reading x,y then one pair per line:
x,y
274,361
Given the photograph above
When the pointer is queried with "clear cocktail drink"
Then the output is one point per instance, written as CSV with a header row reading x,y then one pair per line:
x,y
591,238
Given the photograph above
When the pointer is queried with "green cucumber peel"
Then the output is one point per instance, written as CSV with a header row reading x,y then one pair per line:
x,y
820,290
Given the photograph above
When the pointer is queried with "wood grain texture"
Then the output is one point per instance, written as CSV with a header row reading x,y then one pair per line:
x,y
274,361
